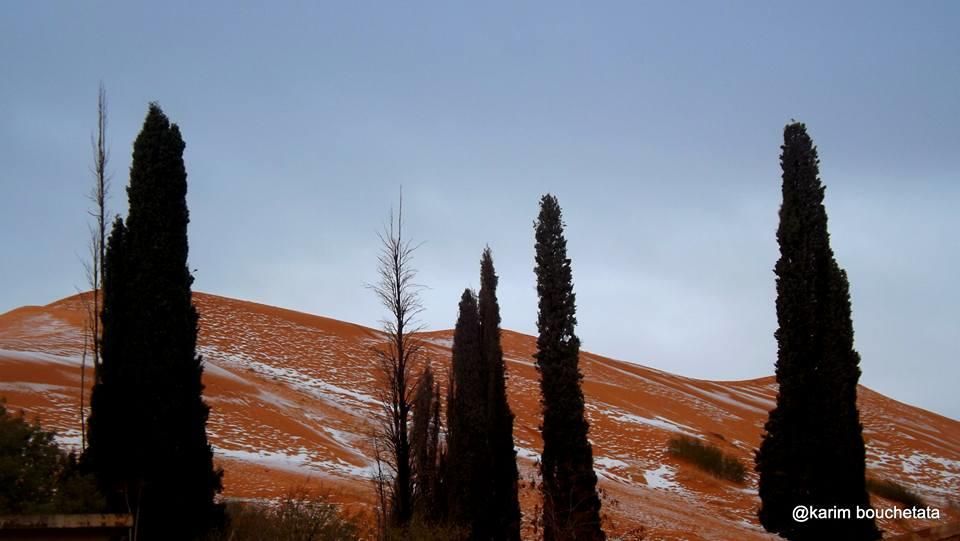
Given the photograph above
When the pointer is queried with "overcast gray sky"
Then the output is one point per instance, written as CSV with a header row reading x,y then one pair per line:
x,y
657,126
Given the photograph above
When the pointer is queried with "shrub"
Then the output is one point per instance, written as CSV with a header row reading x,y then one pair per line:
x,y
708,458
298,516
36,476
76,490
423,530
894,491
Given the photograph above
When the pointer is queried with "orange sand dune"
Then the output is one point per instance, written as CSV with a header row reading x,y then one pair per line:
x,y
293,397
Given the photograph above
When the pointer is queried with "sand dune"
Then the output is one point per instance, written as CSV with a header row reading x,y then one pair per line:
x,y
293,396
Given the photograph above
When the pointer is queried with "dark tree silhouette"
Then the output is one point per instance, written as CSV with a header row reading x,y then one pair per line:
x,y
812,452
503,522
152,409
94,266
467,460
438,496
425,445
398,361
571,505
114,425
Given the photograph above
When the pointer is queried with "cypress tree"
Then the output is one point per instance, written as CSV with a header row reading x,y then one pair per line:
x,y
571,505
168,475
467,460
438,500
812,452
424,443
111,425
503,522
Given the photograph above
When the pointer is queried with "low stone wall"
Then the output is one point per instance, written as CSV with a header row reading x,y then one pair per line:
x,y
93,527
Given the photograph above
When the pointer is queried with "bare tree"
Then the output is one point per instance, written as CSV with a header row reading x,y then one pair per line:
x,y
398,360
93,266
381,487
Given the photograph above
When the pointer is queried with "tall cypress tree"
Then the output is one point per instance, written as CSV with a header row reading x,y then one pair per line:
x,y
467,460
812,452
424,444
503,522
571,505
112,424
169,479
438,498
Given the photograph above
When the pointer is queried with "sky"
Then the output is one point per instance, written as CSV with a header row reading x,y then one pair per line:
x,y
656,124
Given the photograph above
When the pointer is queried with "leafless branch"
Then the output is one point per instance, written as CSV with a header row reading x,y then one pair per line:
x,y
93,267
398,360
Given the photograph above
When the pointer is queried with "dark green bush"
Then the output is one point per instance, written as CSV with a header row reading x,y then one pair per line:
x,y
894,491
708,458
36,476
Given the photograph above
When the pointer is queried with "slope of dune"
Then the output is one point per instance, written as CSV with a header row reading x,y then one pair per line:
x,y
293,402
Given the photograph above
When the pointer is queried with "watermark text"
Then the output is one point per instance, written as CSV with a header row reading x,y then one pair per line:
x,y
803,513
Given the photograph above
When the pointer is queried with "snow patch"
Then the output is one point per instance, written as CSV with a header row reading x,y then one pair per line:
x,y
518,360
661,477
39,357
917,463
610,463
311,385
727,399
276,460
442,342
351,470
657,422
529,454
216,370
275,399
42,388
298,461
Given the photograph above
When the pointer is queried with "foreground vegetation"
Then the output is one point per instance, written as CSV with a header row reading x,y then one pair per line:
x,y
36,475
304,516
298,516
893,491
708,458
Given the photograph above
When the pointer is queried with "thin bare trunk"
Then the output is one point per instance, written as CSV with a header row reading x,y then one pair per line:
x,y
99,197
398,359
382,491
94,267
83,386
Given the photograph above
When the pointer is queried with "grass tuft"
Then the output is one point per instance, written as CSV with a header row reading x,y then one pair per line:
x,y
708,458
894,491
